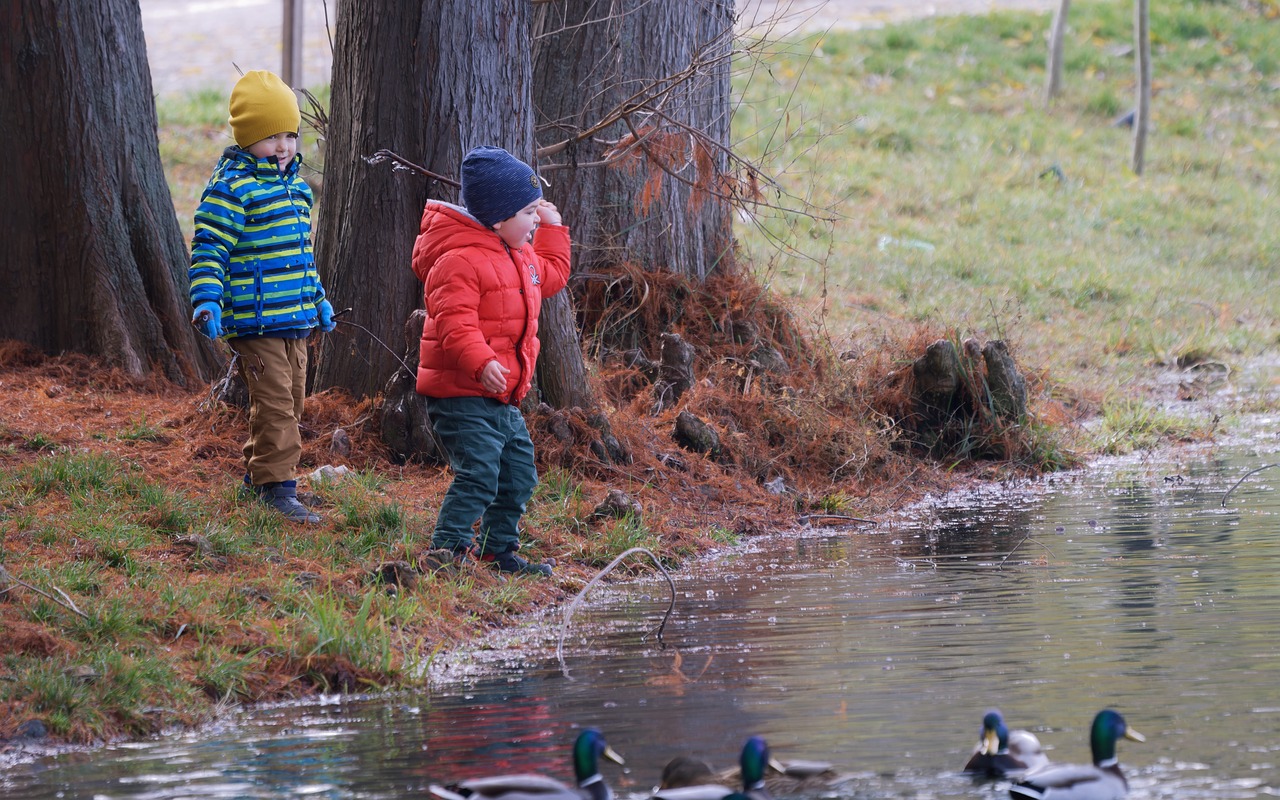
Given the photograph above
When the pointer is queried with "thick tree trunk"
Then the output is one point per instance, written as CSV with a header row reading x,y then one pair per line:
x,y
1053,69
93,259
428,81
590,56
1142,64
561,371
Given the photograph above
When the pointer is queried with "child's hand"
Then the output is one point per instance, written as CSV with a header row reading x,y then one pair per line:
x,y
494,377
208,319
548,214
325,312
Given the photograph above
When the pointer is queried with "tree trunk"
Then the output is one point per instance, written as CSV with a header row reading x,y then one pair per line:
x,y
1053,69
428,81
590,57
93,260
561,371
1142,56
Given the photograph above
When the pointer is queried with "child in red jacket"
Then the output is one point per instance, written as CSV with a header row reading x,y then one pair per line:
x,y
485,268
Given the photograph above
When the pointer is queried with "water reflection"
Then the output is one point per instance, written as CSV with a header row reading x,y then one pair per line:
x,y
878,649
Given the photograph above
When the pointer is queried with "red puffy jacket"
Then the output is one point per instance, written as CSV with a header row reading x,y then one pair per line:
x,y
482,300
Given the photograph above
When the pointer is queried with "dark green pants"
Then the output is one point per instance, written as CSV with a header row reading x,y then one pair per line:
x,y
493,471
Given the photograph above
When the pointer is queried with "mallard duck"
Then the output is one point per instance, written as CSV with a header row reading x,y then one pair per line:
x,y
1101,780
1002,753
790,777
752,765
588,749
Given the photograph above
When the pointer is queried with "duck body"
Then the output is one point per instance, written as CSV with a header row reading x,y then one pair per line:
x,y
1073,782
791,777
1101,780
1002,753
588,749
690,779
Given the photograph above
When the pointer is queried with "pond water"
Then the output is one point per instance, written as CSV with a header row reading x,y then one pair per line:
x,y
1127,585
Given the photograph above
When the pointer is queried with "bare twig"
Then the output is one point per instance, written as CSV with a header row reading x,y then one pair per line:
x,y
1247,474
372,336
1019,544
219,386
577,600
6,578
387,155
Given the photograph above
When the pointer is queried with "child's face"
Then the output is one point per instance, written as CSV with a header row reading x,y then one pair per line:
x,y
516,230
283,146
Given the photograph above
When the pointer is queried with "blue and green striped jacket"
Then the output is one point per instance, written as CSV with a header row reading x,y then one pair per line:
x,y
252,248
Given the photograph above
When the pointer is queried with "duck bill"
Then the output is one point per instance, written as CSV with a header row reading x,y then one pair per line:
x,y
1132,735
990,743
612,755
778,765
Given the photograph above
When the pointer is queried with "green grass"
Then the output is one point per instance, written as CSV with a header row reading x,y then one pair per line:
x,y
360,635
1128,425
930,146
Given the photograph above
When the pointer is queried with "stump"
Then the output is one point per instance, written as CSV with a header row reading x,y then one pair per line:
x,y
937,377
675,374
406,426
1007,386
693,434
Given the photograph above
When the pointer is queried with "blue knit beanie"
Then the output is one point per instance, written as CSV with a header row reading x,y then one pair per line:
x,y
496,184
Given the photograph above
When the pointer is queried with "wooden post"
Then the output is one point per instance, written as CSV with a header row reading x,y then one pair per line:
x,y
291,44
1142,117
1053,70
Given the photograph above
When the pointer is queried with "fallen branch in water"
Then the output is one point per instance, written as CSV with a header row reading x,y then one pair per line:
x,y
568,612
1242,477
1019,544
809,518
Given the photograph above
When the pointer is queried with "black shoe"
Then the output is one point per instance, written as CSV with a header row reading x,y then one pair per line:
x,y
283,497
511,563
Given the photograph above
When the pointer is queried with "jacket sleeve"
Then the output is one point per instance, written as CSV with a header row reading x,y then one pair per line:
x,y
452,296
551,248
219,221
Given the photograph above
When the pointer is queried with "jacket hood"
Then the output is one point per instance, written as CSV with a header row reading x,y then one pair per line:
x,y
446,227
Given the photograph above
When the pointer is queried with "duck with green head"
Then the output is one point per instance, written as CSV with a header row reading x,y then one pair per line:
x,y
1002,753
780,777
752,766
1101,780
588,749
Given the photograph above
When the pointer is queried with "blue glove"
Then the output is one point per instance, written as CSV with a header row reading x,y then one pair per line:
x,y
326,317
208,318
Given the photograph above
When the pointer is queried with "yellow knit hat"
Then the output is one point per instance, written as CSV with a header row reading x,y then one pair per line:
x,y
261,106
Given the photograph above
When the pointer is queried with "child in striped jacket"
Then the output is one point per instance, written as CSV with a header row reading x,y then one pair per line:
x,y
254,281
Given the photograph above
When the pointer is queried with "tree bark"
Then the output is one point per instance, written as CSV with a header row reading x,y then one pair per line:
x,y
1053,69
590,57
428,81
1142,63
94,260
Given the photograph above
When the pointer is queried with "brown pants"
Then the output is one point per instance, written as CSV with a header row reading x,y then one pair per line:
x,y
275,370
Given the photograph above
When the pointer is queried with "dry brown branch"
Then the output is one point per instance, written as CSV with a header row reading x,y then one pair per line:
x,y
1242,479
403,163
6,578
577,600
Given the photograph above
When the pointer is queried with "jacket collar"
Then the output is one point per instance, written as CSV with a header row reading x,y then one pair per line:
x,y
264,168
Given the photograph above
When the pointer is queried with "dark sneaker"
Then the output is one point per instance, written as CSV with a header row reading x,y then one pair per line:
x,y
444,558
511,563
283,497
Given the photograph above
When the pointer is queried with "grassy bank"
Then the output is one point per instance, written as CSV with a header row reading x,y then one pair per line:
x,y
140,591
961,199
